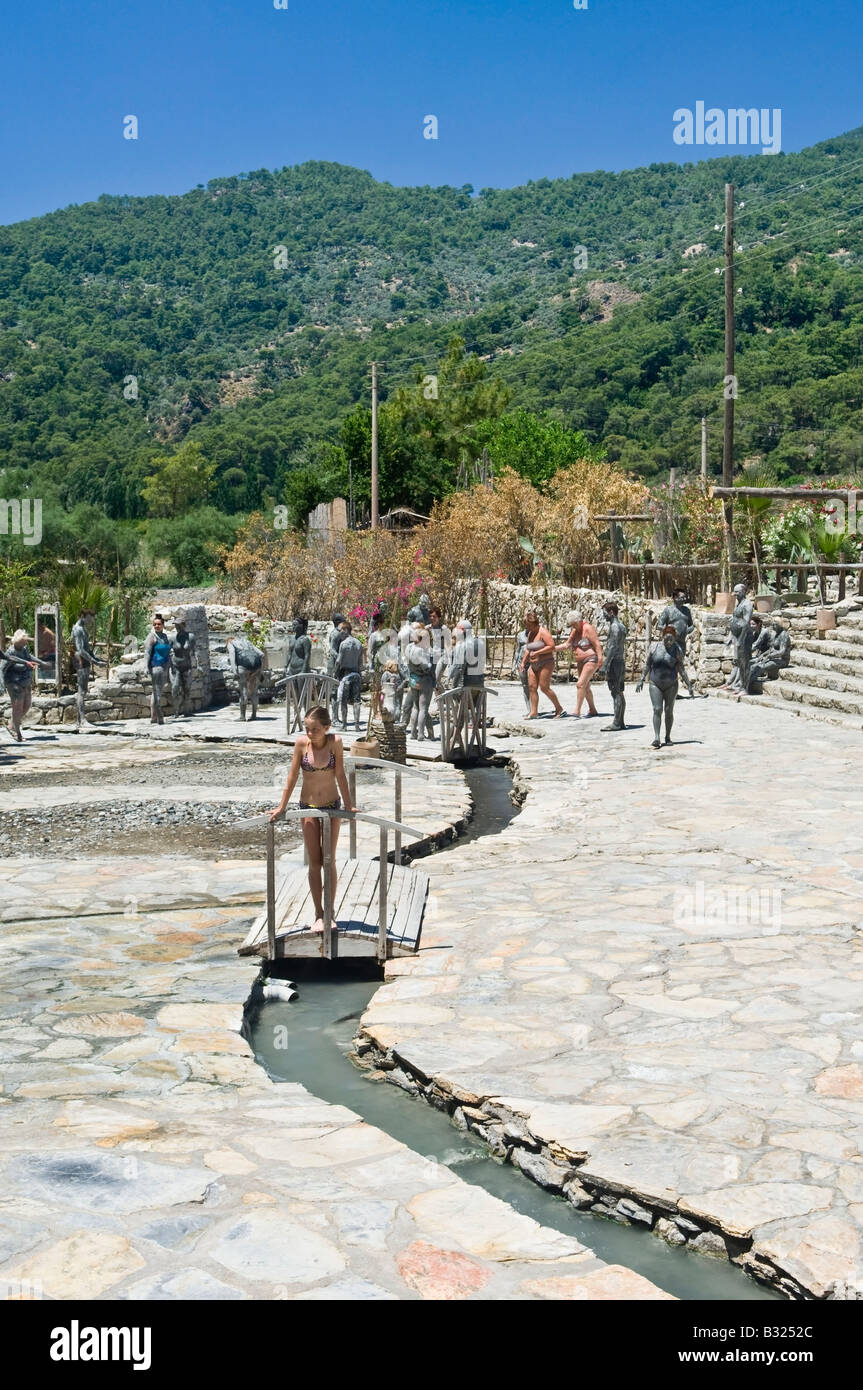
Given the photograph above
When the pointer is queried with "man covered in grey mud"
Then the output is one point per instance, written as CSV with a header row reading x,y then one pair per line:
x,y
334,641
157,656
614,664
184,659
83,661
771,653
299,660
349,665
678,615
519,668
246,662
742,636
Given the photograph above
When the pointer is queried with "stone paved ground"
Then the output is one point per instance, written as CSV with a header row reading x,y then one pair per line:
x,y
657,969
143,1152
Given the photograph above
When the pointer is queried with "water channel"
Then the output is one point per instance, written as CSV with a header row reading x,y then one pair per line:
x,y
321,1025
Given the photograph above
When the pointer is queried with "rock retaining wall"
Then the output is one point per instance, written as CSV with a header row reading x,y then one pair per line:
x,y
562,1171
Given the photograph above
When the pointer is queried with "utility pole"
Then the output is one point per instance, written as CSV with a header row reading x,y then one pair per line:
x,y
704,450
374,446
730,385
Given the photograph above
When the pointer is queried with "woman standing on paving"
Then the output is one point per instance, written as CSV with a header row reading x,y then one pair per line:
x,y
583,639
538,661
664,666
158,654
319,756
18,666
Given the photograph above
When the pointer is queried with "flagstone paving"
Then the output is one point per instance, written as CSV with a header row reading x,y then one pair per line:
x,y
645,991
654,975
145,1155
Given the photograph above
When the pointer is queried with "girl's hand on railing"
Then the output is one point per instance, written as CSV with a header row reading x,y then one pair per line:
x,y
277,813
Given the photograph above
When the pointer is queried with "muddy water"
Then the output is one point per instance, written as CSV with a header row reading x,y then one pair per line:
x,y
319,1028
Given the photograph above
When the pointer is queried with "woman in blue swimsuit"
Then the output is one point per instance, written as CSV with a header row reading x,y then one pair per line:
x,y
319,756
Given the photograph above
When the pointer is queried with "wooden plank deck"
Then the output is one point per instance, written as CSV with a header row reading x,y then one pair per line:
x,y
355,912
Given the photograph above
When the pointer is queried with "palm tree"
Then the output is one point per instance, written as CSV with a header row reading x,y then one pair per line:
x,y
78,590
754,473
821,543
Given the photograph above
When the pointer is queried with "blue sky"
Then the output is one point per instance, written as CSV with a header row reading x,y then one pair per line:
x,y
522,88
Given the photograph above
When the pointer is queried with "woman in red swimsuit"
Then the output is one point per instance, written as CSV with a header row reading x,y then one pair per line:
x,y
584,641
323,779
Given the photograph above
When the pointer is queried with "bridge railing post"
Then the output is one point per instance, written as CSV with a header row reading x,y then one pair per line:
x,y
382,894
397,815
330,942
352,828
271,890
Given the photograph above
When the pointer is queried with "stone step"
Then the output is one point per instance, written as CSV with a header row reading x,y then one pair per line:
x,y
846,632
828,679
799,711
839,702
839,650
803,658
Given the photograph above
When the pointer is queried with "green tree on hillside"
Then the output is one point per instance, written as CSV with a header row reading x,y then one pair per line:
x,y
182,481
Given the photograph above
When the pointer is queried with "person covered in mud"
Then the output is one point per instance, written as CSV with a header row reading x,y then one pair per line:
x,y
246,663
83,661
319,758
17,665
157,654
183,655
663,668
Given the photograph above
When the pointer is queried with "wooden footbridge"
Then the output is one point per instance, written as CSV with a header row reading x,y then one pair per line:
x,y
377,906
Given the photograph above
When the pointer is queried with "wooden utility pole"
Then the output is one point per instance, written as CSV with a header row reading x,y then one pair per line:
x,y
374,446
704,450
730,390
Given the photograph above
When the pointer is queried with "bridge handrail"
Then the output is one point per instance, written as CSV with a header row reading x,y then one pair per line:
x,y
320,813
329,942
460,689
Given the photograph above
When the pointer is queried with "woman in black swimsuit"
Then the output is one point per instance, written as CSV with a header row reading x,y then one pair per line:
x,y
323,779
663,668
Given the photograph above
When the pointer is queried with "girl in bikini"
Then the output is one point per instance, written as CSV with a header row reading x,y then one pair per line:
x,y
319,756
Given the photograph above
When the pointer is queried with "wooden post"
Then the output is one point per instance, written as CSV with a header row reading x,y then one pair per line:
x,y
330,942
704,451
613,538
729,391
374,446
271,890
382,896
127,615
397,817
108,643
352,825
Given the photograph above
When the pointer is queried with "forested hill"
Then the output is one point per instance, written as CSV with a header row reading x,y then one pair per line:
x,y
247,312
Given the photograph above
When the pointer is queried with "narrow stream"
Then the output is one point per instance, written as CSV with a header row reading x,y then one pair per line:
x,y
321,1025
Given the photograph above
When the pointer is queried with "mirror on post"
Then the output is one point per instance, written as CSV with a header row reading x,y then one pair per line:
x,y
48,641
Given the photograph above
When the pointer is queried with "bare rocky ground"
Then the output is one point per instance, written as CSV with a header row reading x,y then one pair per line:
x,y
202,828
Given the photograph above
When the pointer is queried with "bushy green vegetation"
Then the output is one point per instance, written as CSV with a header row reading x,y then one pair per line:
x,y
241,318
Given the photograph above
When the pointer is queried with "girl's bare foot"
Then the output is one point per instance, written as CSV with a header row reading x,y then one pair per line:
x,y
319,924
